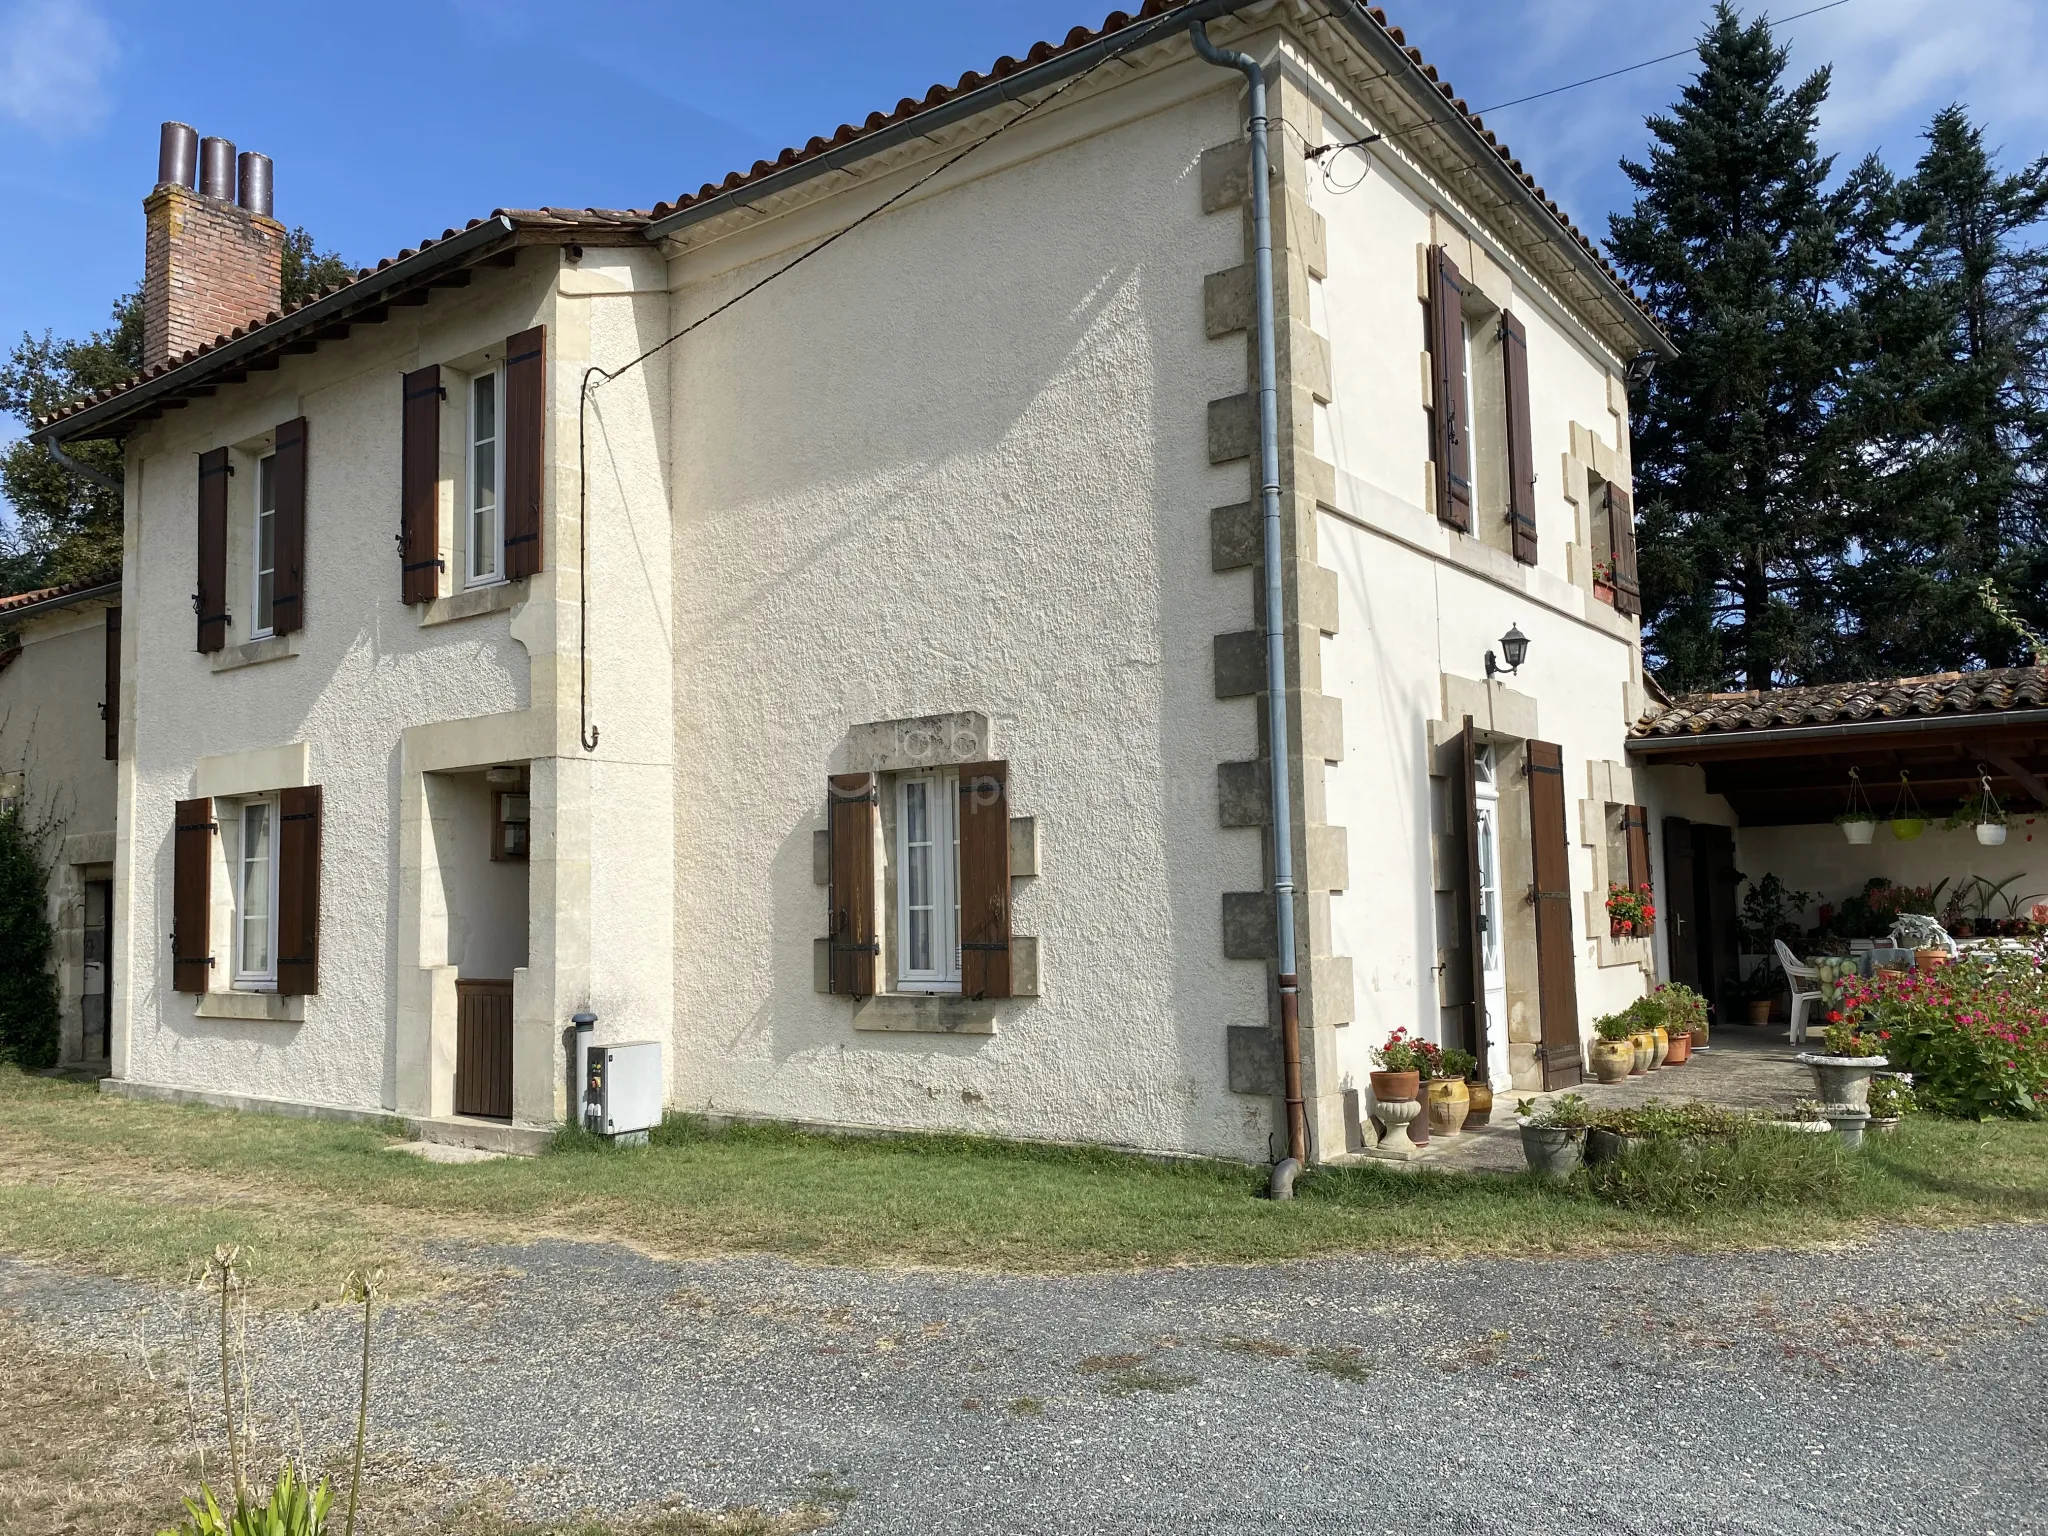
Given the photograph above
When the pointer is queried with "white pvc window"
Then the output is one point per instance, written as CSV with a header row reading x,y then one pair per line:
x,y
484,533
263,548
928,882
1470,417
256,896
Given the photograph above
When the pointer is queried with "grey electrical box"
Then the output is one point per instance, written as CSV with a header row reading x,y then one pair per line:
x,y
622,1090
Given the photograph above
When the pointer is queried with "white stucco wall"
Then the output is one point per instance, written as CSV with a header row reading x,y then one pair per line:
x,y
1820,860
958,463
51,732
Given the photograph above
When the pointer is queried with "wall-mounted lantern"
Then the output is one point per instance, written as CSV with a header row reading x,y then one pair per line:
x,y
1514,649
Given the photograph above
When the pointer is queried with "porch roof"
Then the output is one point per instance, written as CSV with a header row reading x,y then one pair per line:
x,y
1782,756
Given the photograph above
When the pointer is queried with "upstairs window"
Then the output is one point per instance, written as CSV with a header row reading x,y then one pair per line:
x,y
485,533
263,550
928,882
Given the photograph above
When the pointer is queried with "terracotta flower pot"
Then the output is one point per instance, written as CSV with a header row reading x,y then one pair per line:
x,y
1662,1037
1760,1010
1480,1095
1613,1060
1680,1049
1388,1087
1449,1102
1929,959
1699,1036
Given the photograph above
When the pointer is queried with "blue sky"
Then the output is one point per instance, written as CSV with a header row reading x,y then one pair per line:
x,y
388,123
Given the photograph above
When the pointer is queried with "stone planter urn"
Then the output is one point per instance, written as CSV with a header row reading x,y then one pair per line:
x,y
1449,1102
1613,1060
1849,1122
1844,1080
1554,1151
1662,1037
1680,1050
1397,1115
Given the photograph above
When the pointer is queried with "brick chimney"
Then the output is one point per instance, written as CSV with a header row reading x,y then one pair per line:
x,y
213,256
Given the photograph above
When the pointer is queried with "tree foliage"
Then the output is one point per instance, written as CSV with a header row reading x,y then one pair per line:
x,y
1852,437
66,527
28,992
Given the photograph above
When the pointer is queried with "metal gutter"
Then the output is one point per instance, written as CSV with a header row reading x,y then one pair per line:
x,y
456,250
69,599
1034,77
1853,730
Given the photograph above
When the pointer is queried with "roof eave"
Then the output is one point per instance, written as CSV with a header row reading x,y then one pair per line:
x,y
100,593
470,245
1688,745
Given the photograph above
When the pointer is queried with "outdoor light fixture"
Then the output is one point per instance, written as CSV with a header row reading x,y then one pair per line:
x,y
1514,645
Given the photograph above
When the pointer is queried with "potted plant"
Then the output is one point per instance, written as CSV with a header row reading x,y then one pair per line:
x,y
1908,820
1446,1095
1397,1069
1859,827
1684,1010
1478,1091
1603,580
1631,911
1757,991
1679,1049
1842,1076
1891,1100
1553,1139
1983,812
1614,1052
1613,1134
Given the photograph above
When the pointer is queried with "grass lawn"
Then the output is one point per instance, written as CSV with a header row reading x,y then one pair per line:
x,y
147,1190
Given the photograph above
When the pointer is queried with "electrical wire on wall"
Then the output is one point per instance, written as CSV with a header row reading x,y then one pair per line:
x,y
595,378
1328,154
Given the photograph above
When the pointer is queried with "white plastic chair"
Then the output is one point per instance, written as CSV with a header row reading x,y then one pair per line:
x,y
1795,973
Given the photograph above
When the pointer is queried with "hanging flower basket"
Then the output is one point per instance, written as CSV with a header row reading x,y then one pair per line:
x,y
1982,812
1908,820
1859,821
1991,833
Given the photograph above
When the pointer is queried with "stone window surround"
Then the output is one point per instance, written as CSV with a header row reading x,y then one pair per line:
x,y
235,776
1610,786
887,748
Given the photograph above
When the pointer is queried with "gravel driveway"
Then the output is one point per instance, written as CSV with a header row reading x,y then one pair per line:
x,y
1893,1387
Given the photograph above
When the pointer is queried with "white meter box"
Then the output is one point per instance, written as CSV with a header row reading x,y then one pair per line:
x,y
623,1093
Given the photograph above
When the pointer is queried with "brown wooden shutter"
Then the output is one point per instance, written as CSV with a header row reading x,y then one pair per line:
x,y
526,393
984,880
1451,444
1621,538
1557,982
288,483
1635,825
1681,903
1514,346
298,891
192,896
111,709
419,491
850,811
1465,978
210,602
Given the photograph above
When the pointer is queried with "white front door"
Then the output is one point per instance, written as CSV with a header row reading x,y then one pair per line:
x,y
1495,999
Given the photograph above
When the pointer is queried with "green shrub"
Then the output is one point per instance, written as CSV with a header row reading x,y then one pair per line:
x,y
293,1508
28,992
1974,1036
1752,1168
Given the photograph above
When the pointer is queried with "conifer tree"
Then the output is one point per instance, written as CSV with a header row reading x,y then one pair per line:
x,y
1740,247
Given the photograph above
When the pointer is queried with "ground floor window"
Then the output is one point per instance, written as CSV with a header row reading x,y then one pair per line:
x,y
256,896
927,857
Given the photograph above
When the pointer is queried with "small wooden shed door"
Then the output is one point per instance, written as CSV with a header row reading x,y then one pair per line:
x,y
483,1049
1557,982
1682,932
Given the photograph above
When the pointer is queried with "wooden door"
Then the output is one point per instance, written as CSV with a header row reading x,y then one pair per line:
x,y
483,1049
1681,908
96,1042
1714,882
1557,983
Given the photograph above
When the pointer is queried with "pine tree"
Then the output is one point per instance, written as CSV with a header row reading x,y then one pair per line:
x,y
1740,247
1950,407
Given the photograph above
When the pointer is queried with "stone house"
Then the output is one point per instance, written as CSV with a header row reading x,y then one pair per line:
x,y
819,623
59,669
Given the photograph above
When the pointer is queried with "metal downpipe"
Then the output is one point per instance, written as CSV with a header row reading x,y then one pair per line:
x,y
83,471
1276,631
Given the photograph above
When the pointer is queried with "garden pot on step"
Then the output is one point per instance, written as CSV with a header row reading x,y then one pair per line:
x,y
1760,1010
1398,1115
1645,1048
1843,1080
1449,1102
1680,1051
1392,1087
1553,1150
1480,1096
1613,1060
1662,1037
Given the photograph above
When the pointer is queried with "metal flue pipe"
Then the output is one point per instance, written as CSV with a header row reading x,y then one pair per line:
x,y
1276,630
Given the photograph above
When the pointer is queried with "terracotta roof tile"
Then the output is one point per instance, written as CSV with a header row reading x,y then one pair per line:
x,y
1900,698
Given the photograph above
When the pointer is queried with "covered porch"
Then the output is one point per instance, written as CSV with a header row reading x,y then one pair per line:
x,y
1746,786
